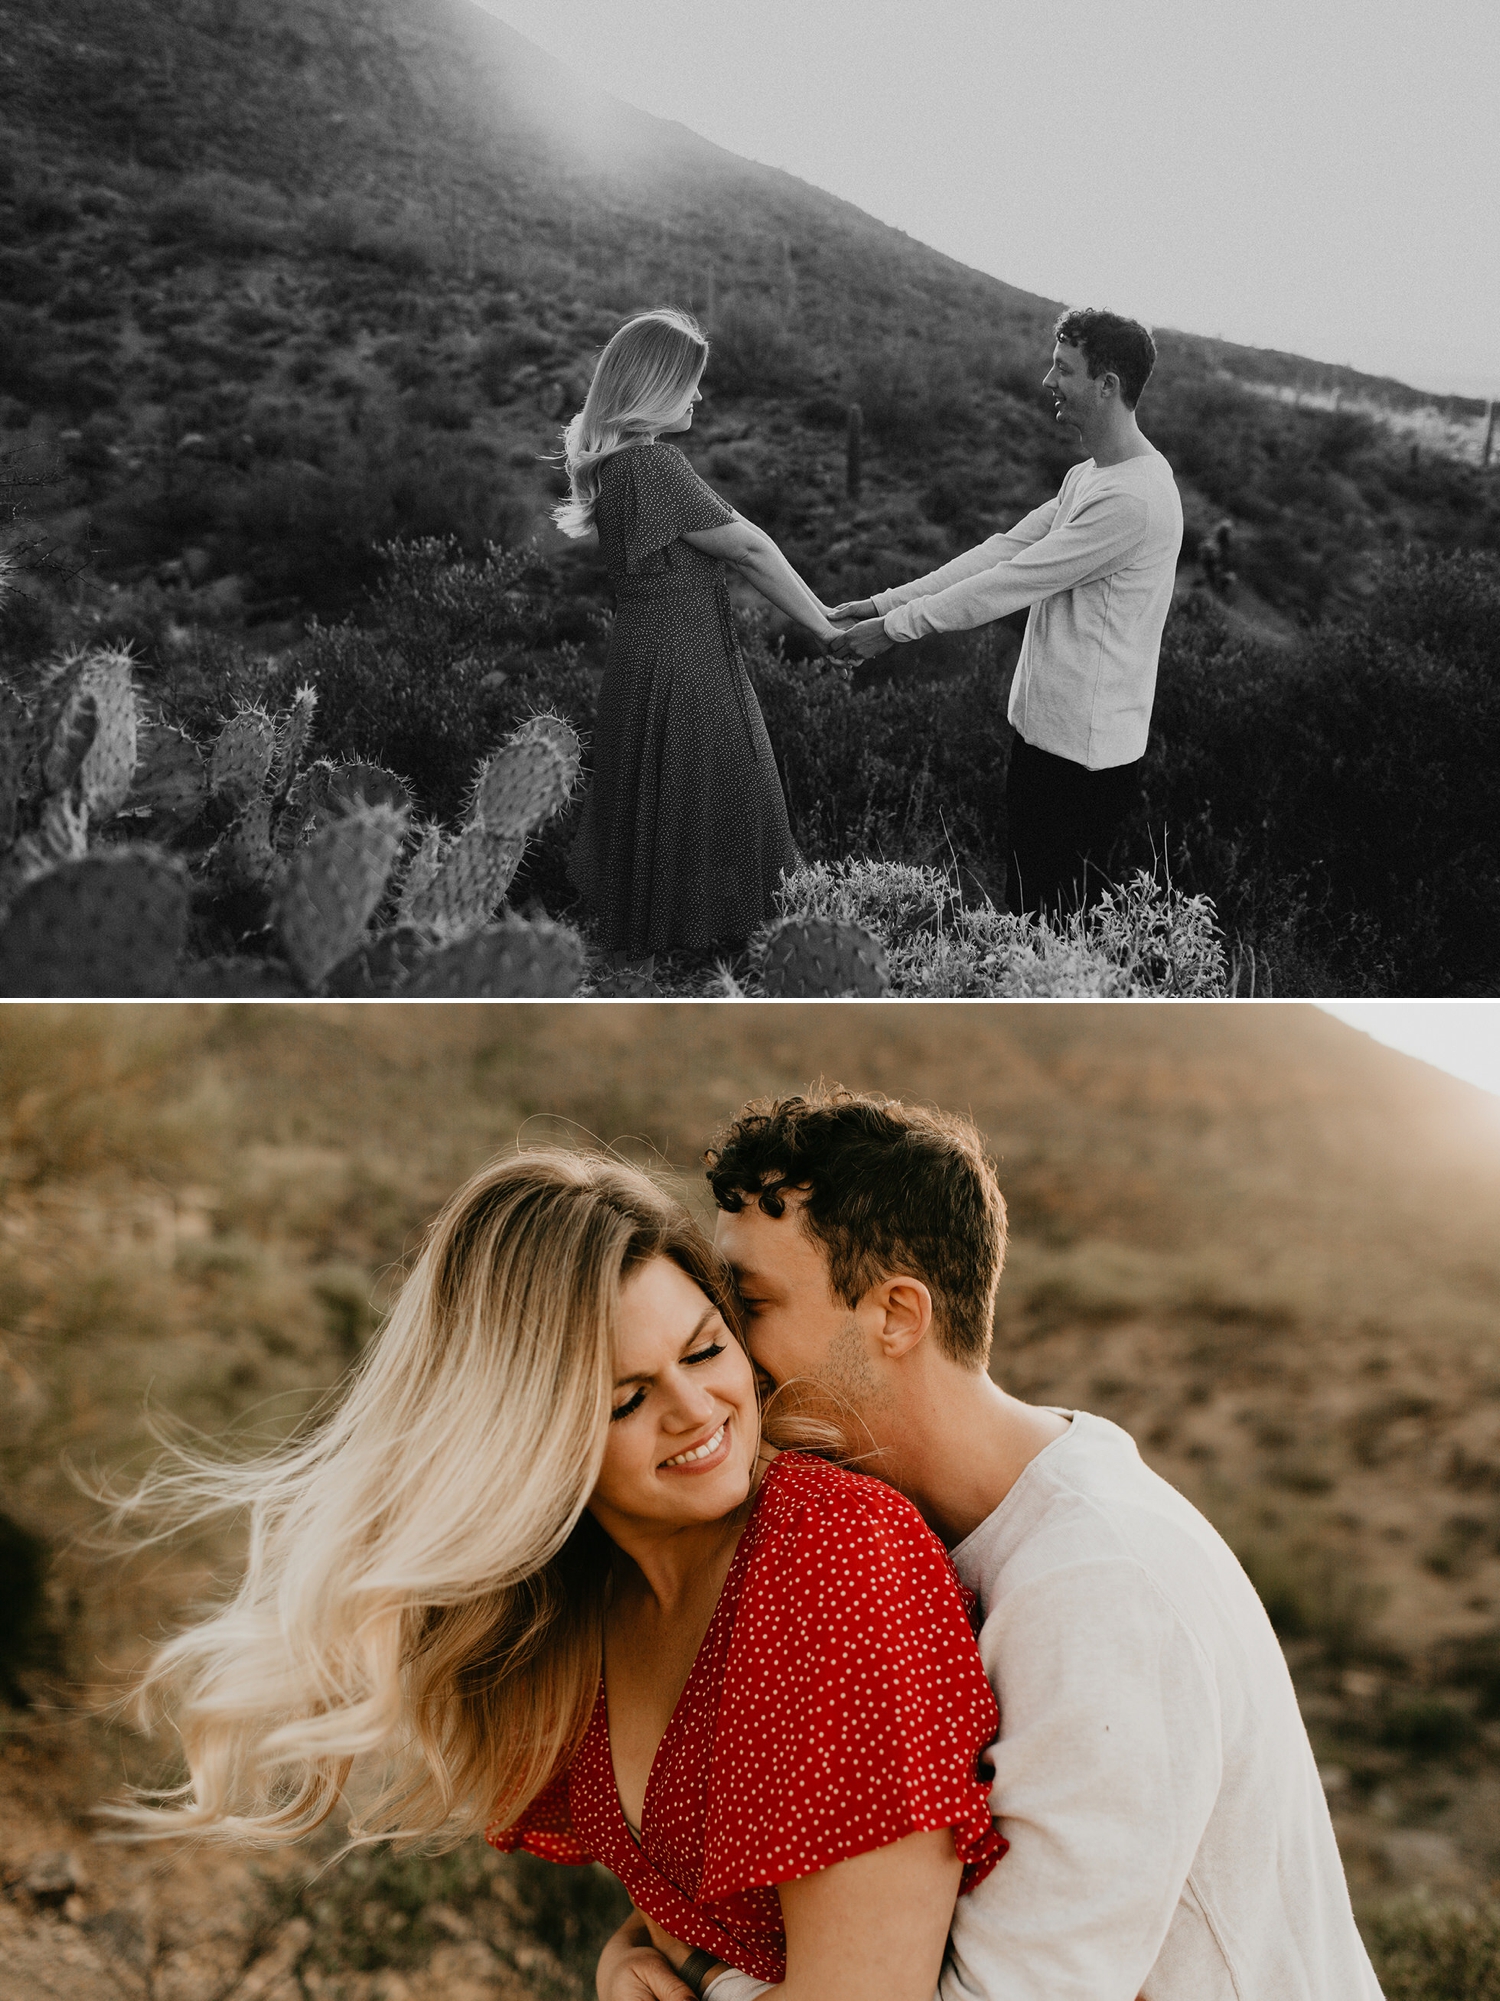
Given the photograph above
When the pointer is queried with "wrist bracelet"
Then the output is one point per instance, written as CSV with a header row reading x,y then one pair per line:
x,y
695,1966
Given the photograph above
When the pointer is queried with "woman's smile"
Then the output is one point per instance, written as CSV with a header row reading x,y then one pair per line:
x,y
700,1458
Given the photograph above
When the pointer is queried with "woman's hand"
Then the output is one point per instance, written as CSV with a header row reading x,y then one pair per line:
x,y
856,610
632,1968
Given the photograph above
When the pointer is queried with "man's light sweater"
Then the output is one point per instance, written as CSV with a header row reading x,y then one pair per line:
x,y
1169,1836
1168,1832
1096,565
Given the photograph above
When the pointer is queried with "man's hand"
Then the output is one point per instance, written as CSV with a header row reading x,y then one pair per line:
x,y
865,640
631,1969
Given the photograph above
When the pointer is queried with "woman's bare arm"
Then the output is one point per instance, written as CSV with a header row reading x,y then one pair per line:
x,y
874,1925
757,558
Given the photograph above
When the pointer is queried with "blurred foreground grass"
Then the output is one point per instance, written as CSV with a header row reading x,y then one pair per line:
x,y
1258,1241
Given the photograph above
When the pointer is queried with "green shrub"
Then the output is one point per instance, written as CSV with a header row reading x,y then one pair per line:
x,y
1429,1951
752,351
216,211
1143,939
1354,769
444,657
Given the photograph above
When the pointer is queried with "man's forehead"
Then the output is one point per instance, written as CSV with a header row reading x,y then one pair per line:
x,y
752,1239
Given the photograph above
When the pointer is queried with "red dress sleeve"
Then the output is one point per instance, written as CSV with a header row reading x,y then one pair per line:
x,y
545,1828
855,1705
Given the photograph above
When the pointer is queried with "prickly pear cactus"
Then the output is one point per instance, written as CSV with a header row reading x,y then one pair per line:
x,y
170,785
110,925
420,870
326,791
15,746
293,731
333,885
104,776
243,852
473,872
514,960
816,958
240,762
521,785
553,729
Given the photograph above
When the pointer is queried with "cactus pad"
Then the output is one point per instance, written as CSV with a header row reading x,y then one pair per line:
x,y
104,776
381,967
240,761
333,886
421,869
515,960
813,957
244,850
110,925
68,719
522,785
293,731
169,779
473,873
326,791
15,744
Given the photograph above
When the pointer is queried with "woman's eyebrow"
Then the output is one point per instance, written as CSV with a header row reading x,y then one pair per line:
x,y
648,1375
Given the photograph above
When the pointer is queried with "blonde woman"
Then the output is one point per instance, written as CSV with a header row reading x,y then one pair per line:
x,y
544,1573
684,834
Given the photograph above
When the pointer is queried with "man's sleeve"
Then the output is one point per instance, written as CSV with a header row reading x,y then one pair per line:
x,y
998,549
1108,1763
1100,536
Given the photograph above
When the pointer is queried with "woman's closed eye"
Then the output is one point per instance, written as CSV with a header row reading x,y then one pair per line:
x,y
634,1403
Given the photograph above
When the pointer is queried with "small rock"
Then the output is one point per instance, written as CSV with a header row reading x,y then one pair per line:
x,y
196,564
75,1910
190,441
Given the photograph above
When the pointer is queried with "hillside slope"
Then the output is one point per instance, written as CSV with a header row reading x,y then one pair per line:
x,y
282,279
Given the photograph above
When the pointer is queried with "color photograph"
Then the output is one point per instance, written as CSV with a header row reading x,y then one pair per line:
x,y
1176,1326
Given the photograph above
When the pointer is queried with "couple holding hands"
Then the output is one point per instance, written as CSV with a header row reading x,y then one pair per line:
x,y
684,835
727,1564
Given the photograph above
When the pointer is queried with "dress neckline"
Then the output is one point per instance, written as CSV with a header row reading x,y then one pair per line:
x,y
729,1592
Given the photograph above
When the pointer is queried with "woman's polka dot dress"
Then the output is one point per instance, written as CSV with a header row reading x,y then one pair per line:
x,y
838,1702
684,833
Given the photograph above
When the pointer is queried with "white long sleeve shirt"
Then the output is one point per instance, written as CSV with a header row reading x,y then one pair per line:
x,y
1096,565
1169,1836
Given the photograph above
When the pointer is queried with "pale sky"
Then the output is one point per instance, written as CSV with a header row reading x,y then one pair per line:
x,y
1316,175
1462,1037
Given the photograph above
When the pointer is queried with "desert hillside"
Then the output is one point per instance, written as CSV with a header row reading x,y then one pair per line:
x,y
283,280
1262,1243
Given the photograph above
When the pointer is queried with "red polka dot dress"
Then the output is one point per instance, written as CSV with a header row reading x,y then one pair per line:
x,y
837,1703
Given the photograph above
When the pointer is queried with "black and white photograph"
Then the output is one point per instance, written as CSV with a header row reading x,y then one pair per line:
x,y
619,501
749,1001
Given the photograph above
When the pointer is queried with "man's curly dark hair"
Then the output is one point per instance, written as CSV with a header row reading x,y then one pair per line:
x,y
889,1189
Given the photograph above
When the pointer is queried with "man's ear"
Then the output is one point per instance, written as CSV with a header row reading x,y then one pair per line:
x,y
906,1315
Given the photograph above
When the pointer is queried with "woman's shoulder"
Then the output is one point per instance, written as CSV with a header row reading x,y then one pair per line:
x,y
803,1494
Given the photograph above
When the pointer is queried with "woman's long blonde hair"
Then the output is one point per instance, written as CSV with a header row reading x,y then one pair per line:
x,y
641,378
424,1590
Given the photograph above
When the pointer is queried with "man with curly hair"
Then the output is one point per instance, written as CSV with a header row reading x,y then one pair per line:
x,y
1167,1827
1094,568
